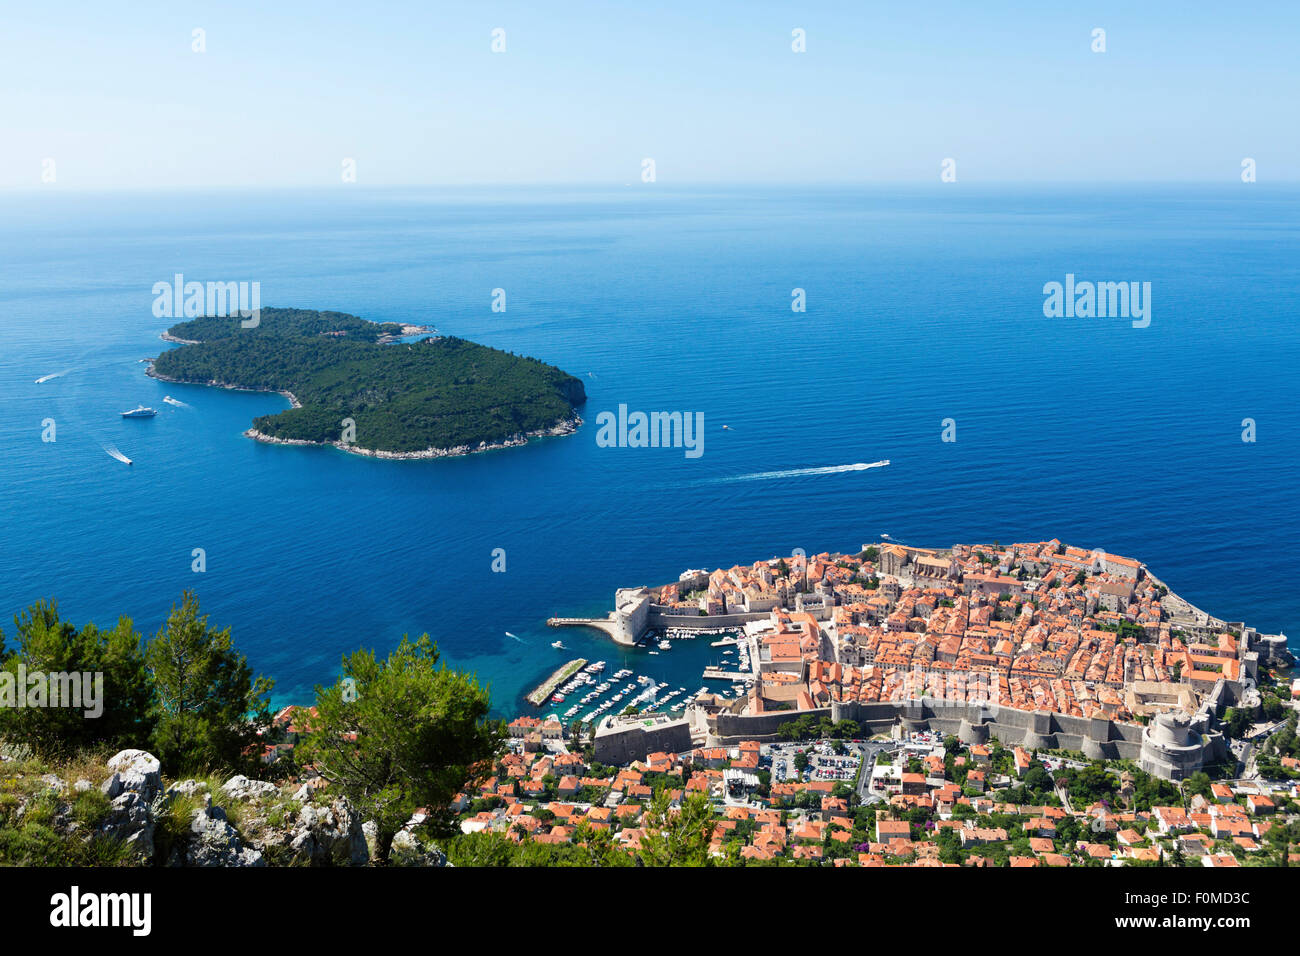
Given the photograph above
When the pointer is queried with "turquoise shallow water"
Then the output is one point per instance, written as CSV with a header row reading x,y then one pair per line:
x,y
922,305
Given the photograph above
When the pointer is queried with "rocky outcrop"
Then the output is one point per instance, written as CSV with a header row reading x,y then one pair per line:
x,y
241,788
214,842
241,822
134,783
329,835
409,850
186,788
136,771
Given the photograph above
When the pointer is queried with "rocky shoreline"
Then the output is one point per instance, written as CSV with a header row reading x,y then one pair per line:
x,y
168,337
289,396
565,427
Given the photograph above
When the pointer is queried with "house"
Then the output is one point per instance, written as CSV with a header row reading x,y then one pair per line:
x,y
892,829
1043,827
1259,804
976,836
1143,854
521,727
1171,819
1097,851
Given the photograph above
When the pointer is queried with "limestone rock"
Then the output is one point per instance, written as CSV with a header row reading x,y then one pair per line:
x,y
131,820
407,850
329,834
189,788
370,830
214,842
241,788
136,771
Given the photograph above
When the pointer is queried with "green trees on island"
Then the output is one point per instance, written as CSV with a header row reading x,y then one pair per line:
x,y
280,322
438,393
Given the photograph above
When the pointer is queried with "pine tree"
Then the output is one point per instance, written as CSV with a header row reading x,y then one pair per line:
x,y
208,706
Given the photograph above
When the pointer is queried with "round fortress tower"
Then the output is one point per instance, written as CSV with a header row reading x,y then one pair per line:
x,y
1170,747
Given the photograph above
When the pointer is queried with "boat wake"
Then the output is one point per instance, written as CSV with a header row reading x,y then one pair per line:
x,y
802,472
176,401
113,452
516,637
45,378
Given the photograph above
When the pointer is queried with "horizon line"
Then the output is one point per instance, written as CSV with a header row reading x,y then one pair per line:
x,y
57,188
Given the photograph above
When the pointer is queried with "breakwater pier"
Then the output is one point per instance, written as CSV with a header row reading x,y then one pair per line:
x,y
544,690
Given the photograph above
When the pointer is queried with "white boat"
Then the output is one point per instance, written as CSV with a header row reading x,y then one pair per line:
x,y
113,452
664,646
558,645
140,412
179,404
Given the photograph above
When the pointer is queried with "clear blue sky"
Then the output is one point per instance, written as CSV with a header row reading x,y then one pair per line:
x,y
585,90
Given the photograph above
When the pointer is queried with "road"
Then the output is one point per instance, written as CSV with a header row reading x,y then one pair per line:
x,y
869,750
1248,745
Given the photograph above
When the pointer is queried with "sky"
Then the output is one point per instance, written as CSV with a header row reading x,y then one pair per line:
x,y
411,91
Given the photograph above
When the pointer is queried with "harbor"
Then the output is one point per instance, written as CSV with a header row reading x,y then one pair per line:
x,y
650,674
538,697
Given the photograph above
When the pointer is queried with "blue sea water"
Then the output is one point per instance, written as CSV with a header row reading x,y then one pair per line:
x,y
922,305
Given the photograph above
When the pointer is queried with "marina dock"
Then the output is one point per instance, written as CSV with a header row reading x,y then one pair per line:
x,y
717,673
539,696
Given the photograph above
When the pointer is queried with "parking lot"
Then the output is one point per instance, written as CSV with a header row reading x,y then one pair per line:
x,y
823,763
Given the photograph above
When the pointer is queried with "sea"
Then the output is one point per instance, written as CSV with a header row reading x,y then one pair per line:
x,y
923,320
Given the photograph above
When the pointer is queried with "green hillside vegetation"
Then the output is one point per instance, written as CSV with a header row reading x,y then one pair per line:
x,y
391,735
280,323
438,393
